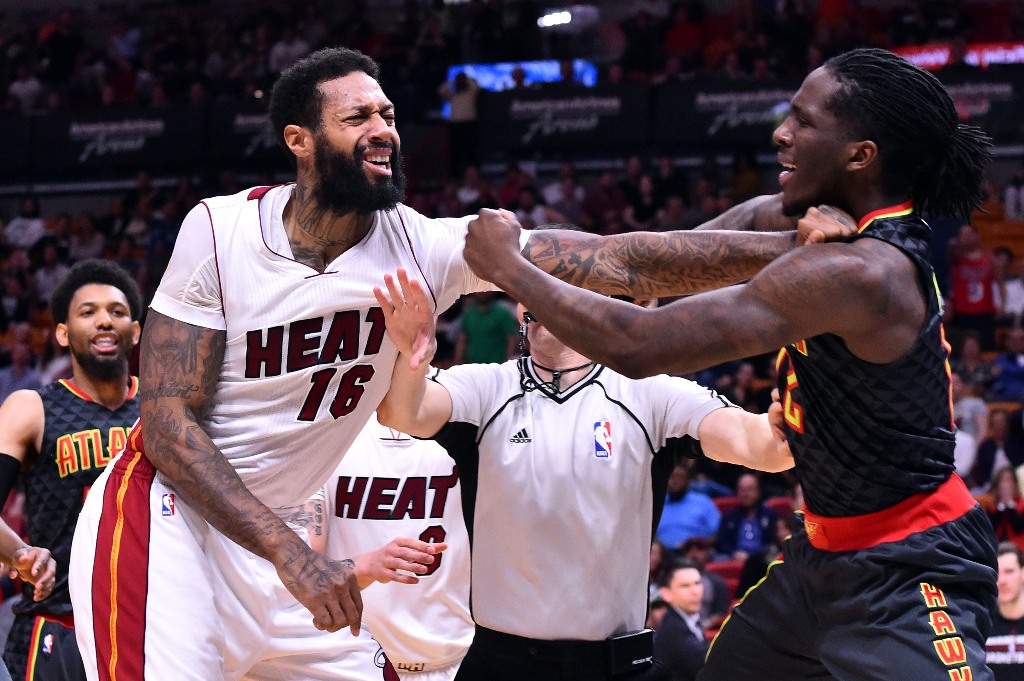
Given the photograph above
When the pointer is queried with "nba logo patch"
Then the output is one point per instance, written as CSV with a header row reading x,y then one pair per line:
x,y
48,644
602,439
167,505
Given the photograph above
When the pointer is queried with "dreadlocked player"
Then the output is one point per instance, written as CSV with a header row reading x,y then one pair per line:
x,y
892,575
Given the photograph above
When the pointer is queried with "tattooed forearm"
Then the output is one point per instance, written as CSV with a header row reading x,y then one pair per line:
x,y
650,265
180,366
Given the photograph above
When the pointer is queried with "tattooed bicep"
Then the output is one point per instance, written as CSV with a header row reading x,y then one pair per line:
x,y
179,359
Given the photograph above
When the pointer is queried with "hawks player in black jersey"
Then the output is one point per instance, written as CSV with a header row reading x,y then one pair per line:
x,y
58,439
893,573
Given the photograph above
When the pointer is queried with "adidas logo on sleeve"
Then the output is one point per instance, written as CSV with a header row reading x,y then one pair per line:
x,y
522,437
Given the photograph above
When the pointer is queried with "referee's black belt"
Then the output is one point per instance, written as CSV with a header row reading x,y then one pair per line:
x,y
581,659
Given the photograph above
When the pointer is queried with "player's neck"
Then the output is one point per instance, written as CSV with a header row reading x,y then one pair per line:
x,y
1014,610
319,234
111,393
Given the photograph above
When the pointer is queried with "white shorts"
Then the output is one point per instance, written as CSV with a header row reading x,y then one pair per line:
x,y
159,594
443,674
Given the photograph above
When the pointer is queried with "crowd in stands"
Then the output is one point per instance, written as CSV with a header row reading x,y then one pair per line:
x,y
187,53
733,521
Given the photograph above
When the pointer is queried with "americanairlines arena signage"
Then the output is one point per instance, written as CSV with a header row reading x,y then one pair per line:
x,y
558,117
117,138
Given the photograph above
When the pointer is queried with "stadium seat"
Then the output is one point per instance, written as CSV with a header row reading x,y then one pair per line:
x,y
725,504
782,505
727,569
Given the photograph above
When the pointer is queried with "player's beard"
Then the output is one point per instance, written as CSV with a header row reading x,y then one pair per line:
x,y
344,186
107,367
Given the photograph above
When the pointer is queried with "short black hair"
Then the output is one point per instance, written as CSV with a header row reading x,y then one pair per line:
x,y
94,271
296,98
924,149
676,566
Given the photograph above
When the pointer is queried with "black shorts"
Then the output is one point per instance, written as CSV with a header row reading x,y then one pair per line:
x,y
912,610
42,650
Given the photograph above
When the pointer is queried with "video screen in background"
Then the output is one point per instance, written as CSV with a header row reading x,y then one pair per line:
x,y
496,77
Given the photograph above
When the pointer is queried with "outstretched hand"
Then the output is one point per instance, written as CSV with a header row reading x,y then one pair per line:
x,y
491,242
394,561
35,566
408,318
824,223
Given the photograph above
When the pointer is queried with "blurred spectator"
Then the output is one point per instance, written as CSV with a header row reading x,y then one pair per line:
x,y
125,41
673,216
1009,369
717,600
50,273
746,183
14,302
515,179
1004,446
972,276
644,40
642,211
629,183
1006,638
287,50
462,93
748,528
1005,507
27,228
687,513
26,89
531,213
487,330
1008,287
669,180
742,388
554,192
60,46
684,38
570,201
21,374
661,559
604,203
679,641
970,410
1013,196
976,372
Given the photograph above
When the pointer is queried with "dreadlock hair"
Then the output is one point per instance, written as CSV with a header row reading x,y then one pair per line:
x,y
911,118
296,98
93,271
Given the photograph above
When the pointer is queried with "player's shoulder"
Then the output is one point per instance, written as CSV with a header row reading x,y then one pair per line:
x,y
240,198
22,411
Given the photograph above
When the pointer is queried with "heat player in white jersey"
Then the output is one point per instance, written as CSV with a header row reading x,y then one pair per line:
x,y
264,354
392,485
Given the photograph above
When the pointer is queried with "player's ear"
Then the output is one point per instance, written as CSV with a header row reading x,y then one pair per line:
x,y
136,333
61,334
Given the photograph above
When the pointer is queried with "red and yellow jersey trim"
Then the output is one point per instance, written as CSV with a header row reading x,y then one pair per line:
x,y
905,208
133,388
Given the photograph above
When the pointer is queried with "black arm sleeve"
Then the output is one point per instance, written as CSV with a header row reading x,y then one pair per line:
x,y
10,468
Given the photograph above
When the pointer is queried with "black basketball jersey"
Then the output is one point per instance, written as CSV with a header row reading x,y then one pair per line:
x,y
79,438
866,436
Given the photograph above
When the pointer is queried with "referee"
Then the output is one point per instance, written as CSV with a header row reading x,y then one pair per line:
x,y
563,465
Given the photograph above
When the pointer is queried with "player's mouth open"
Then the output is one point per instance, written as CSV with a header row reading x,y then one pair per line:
x,y
787,170
379,162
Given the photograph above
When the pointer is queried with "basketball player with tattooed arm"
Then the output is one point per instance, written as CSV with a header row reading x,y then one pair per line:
x,y
58,439
893,574
263,356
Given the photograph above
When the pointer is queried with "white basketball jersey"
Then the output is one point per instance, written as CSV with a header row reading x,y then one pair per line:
x,y
390,485
307,360
567,486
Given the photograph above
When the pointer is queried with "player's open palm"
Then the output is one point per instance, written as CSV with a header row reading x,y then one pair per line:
x,y
327,588
408,317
